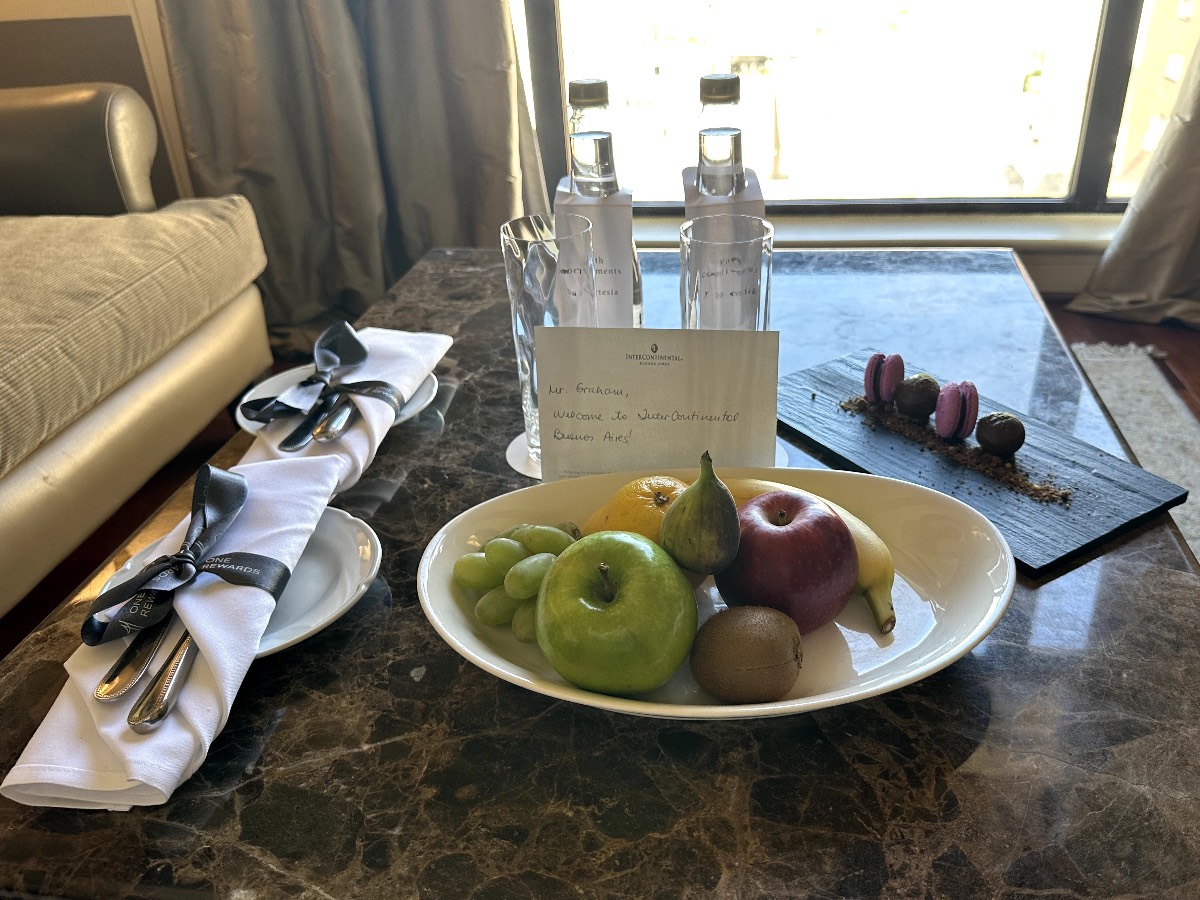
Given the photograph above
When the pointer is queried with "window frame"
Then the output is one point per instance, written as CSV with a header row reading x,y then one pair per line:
x,y
1088,192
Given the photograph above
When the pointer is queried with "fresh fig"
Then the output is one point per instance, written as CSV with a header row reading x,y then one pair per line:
x,y
701,530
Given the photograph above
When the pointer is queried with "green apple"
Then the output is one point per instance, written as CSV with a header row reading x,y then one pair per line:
x,y
615,614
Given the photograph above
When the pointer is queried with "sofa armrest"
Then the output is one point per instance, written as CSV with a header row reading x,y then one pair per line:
x,y
76,149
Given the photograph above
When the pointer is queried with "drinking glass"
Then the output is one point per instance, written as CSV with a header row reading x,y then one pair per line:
x,y
725,272
551,275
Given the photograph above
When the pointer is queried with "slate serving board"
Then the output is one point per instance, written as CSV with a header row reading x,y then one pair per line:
x,y
1108,495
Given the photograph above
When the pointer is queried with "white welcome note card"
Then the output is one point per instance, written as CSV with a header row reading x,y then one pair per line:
x,y
614,399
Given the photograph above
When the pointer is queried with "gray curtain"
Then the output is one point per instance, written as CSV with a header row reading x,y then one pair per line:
x,y
1150,272
364,133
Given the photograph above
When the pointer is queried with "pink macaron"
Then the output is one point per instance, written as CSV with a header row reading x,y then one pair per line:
x,y
883,375
957,409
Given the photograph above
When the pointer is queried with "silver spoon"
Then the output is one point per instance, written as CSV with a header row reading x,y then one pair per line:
x,y
161,693
339,418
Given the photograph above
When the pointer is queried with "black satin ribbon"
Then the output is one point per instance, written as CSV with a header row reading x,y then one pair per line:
x,y
377,390
148,596
337,351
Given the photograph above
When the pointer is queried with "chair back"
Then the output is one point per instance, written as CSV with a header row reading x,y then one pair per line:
x,y
76,149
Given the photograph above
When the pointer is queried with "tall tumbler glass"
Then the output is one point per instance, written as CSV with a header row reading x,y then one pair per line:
x,y
551,275
725,272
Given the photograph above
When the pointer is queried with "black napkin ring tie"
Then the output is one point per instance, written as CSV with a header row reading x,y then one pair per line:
x,y
148,596
338,351
376,390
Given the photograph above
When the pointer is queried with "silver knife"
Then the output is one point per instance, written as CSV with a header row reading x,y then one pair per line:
x,y
302,434
133,662
160,695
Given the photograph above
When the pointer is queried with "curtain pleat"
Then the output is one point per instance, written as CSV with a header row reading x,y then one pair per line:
x,y
364,133
1150,271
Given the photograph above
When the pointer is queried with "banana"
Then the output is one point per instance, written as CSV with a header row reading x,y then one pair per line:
x,y
876,571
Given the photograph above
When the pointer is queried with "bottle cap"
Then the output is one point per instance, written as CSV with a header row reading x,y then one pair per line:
x,y
720,88
592,169
588,92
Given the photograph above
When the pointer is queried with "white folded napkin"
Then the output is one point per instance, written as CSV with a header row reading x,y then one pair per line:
x,y
401,358
84,754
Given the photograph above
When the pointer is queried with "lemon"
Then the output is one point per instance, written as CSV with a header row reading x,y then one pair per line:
x,y
638,506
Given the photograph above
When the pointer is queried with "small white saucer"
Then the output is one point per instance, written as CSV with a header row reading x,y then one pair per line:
x,y
518,457
337,566
281,381
781,454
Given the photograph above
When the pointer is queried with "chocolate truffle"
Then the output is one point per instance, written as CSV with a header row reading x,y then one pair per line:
x,y
1000,434
917,396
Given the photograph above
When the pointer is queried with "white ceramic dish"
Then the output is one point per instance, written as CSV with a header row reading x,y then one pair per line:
x,y
281,381
336,568
955,578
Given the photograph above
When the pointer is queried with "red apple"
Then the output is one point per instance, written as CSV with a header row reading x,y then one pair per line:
x,y
796,555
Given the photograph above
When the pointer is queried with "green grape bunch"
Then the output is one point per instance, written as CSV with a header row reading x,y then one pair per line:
x,y
507,573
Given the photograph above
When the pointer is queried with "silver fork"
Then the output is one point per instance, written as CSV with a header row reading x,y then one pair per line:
x,y
131,665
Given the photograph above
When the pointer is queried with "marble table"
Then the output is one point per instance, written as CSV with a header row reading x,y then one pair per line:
x,y
1060,758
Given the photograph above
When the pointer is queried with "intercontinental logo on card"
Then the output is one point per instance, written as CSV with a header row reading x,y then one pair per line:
x,y
654,358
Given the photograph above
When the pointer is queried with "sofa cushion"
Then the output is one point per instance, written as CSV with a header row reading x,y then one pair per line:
x,y
89,302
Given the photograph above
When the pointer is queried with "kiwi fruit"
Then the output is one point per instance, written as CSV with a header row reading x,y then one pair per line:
x,y
747,654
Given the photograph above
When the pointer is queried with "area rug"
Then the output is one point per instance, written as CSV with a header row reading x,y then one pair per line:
x,y
1156,423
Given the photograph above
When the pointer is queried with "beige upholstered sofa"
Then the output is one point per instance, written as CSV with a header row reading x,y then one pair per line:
x,y
123,336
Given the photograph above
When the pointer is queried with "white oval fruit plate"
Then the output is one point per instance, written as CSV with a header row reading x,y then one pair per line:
x,y
955,577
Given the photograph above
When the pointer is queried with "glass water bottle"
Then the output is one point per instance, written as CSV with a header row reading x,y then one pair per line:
x,y
594,174
720,171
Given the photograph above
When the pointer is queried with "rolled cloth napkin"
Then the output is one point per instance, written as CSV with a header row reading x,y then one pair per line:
x,y
403,359
84,754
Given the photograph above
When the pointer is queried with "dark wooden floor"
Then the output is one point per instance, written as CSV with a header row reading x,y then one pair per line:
x,y
1181,366
1179,344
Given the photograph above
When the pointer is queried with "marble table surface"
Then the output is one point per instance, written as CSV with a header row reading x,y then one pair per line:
x,y
1060,758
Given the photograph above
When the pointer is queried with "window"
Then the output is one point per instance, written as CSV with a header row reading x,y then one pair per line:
x,y
924,104
1166,41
